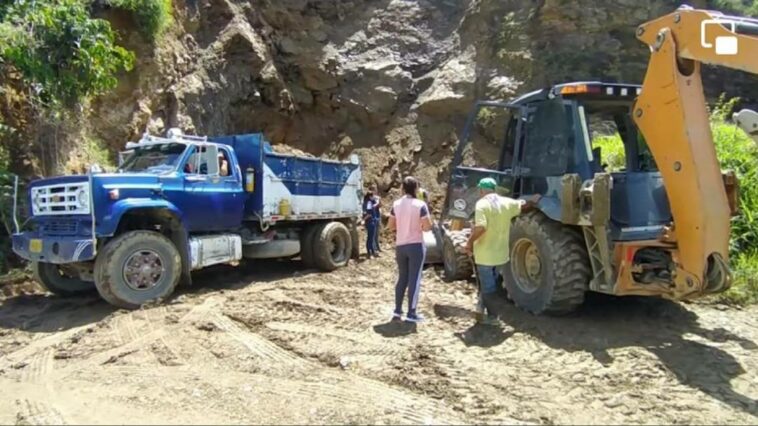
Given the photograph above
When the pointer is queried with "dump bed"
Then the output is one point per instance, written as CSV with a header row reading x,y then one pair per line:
x,y
314,188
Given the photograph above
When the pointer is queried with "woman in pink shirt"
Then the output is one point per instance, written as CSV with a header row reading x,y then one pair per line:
x,y
409,218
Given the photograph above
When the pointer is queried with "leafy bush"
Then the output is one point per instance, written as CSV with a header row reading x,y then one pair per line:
x,y
152,16
612,149
60,50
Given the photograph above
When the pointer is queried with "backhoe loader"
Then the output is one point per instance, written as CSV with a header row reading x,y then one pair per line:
x,y
658,226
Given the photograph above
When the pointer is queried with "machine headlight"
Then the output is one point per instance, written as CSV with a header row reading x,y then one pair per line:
x,y
82,198
36,199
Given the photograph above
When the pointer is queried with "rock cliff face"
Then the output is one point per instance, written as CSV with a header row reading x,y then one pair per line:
x,y
389,79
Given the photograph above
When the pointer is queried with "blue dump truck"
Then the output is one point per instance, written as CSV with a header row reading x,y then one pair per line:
x,y
181,203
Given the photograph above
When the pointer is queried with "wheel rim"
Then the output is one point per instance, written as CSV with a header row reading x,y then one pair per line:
x,y
336,248
527,265
143,270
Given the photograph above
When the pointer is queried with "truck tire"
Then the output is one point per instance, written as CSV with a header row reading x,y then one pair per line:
x,y
307,244
137,267
549,268
332,246
355,239
457,263
54,280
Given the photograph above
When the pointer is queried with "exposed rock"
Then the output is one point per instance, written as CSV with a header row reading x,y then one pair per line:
x,y
392,79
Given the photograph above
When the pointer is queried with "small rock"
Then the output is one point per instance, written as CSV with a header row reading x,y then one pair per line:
x,y
62,355
578,377
179,300
19,365
613,402
207,326
345,362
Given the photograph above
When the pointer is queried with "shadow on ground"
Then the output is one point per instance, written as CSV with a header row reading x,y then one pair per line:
x,y
605,323
45,313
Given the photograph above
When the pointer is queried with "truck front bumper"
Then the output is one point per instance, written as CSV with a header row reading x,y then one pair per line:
x,y
36,248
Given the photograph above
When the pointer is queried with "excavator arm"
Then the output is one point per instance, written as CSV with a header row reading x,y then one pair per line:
x,y
671,114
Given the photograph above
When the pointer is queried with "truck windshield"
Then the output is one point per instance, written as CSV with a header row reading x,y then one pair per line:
x,y
158,159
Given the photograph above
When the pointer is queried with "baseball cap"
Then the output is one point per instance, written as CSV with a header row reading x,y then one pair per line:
x,y
487,183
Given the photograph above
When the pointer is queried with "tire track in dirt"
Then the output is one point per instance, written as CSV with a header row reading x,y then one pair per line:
x,y
315,340
40,366
37,413
262,348
197,312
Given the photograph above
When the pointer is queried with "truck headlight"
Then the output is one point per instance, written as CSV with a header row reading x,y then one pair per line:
x,y
82,198
36,199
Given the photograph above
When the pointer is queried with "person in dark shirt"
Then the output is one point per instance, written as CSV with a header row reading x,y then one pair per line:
x,y
371,223
377,217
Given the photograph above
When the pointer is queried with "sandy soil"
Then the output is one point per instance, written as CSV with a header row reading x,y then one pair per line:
x,y
274,343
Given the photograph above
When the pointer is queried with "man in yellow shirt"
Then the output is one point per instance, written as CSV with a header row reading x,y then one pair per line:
x,y
489,240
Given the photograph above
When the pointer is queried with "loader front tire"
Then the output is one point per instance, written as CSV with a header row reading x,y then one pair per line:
x,y
457,263
137,267
549,269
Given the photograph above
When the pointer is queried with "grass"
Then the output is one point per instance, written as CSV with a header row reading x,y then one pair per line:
x,y
153,16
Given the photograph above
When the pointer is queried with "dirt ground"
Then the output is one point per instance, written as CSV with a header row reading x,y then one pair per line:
x,y
274,343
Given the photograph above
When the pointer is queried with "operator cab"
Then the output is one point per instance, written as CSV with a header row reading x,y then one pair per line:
x,y
582,128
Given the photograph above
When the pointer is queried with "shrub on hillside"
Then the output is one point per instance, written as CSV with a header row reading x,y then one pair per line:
x,y
152,16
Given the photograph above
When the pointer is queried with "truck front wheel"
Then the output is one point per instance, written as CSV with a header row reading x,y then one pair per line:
x,y
137,267
55,280
332,246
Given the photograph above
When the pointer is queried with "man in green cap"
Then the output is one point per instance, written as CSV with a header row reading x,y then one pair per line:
x,y
489,240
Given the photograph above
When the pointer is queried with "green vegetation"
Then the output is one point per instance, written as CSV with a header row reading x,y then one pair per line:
x,y
737,152
152,16
612,151
740,7
63,53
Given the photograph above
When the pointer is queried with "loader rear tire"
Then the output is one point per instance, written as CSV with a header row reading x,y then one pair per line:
x,y
137,267
55,280
332,246
549,268
457,263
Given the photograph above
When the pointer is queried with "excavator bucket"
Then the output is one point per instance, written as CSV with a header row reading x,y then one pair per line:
x,y
747,120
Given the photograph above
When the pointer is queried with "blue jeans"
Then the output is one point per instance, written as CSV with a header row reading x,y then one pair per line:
x,y
488,276
410,265
371,231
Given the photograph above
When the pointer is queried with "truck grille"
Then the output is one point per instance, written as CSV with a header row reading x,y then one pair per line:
x,y
60,227
61,199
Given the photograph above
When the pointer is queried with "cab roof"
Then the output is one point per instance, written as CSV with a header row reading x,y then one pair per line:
x,y
591,90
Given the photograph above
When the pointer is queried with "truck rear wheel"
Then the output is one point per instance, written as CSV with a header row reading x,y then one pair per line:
x,y
457,263
307,243
137,267
332,246
55,280
549,269
355,239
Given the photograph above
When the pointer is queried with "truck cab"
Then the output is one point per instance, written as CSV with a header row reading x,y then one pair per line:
x,y
181,203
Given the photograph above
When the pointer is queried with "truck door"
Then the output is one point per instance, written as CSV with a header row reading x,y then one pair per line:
x,y
487,149
213,198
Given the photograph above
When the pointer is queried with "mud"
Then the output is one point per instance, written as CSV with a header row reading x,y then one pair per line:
x,y
275,343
